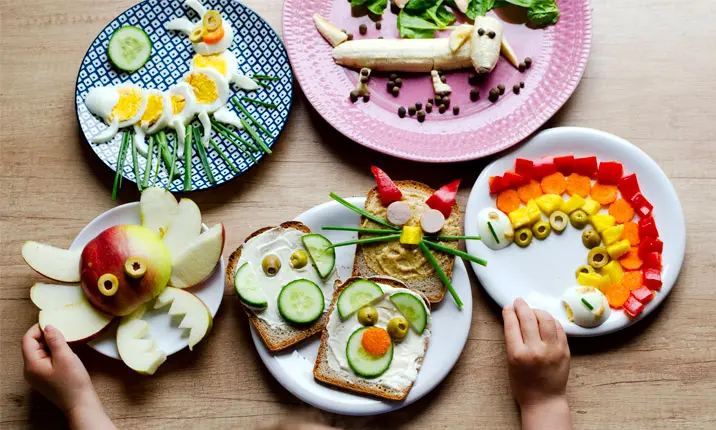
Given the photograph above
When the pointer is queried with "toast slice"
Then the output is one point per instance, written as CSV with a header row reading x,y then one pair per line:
x,y
431,286
276,338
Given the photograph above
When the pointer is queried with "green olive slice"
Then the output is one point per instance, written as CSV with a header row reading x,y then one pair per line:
x,y
579,219
587,269
559,221
541,229
523,237
590,238
598,257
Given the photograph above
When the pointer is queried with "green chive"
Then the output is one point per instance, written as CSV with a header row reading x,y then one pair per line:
x,y
361,211
367,240
229,134
259,102
441,273
202,155
232,138
165,154
187,158
492,230
456,252
587,304
148,166
174,159
120,164
223,156
265,78
153,179
268,87
255,136
135,161
248,115
360,230
452,237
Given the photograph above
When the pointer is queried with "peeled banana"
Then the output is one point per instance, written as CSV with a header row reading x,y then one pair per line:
x,y
485,43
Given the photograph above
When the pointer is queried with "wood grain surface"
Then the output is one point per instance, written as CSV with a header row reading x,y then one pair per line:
x,y
648,80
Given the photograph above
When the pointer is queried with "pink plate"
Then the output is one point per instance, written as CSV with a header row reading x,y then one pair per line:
x,y
482,128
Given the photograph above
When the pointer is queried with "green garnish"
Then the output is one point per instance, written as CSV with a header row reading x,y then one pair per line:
x,y
259,102
233,137
202,155
223,156
148,166
165,154
263,84
587,304
135,161
361,211
539,12
441,273
367,240
452,237
174,159
248,115
120,165
421,19
265,78
358,229
255,136
375,6
153,179
494,234
456,252
187,158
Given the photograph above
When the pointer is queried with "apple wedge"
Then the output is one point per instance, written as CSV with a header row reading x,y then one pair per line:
x,y
53,296
184,228
78,322
197,317
138,352
199,259
60,264
157,208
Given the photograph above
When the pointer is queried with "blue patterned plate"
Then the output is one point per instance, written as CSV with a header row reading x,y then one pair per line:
x,y
257,47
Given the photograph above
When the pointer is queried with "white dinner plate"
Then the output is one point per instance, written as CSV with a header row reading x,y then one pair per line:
x,y
541,272
162,327
293,367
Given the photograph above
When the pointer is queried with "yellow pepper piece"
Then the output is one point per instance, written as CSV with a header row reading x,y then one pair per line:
x,y
594,280
549,203
612,270
602,222
575,202
519,217
591,206
618,249
411,235
612,234
533,211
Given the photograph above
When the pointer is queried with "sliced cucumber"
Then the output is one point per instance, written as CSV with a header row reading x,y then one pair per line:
x,y
301,302
129,48
357,295
247,287
413,309
322,257
362,362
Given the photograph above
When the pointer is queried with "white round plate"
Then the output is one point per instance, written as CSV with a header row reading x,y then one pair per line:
x,y
293,367
541,272
169,336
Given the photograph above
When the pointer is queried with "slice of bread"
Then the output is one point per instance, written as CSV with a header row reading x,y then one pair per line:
x,y
322,370
276,338
432,287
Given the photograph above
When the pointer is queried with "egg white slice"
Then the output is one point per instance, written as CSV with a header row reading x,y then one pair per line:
x,y
182,25
226,116
500,223
101,102
218,99
179,120
579,313
221,46
142,128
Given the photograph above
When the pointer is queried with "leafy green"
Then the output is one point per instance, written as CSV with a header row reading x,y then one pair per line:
x,y
419,19
415,27
374,6
523,3
543,12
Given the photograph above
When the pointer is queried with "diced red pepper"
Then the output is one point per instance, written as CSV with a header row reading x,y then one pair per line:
x,y
643,294
610,172
514,180
565,164
647,228
653,260
649,245
641,205
543,167
652,278
387,189
629,187
524,167
497,184
586,166
444,198
633,307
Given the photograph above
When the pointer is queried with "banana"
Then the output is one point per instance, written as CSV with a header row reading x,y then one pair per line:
x,y
459,36
462,5
330,32
439,86
509,53
485,50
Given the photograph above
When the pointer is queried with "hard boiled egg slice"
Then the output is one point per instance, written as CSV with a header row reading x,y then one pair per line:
x,y
226,64
221,46
211,91
183,103
577,302
155,117
118,105
500,224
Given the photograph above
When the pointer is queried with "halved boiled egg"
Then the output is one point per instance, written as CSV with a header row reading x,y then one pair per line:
x,y
586,306
211,91
118,105
155,117
200,46
183,109
501,226
226,64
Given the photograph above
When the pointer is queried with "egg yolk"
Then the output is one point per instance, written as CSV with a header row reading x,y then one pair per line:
x,y
130,100
204,87
215,62
155,107
178,103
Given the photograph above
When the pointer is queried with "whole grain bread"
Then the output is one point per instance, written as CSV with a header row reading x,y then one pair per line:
x,y
323,372
432,287
276,338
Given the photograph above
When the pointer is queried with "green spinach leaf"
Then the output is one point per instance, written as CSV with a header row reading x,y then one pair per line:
x,y
377,6
543,12
523,3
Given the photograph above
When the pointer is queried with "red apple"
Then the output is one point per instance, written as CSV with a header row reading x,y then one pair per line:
x,y
123,267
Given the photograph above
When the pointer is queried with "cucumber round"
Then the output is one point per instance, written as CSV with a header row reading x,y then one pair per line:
x,y
413,309
301,302
322,256
357,295
248,288
362,362
129,48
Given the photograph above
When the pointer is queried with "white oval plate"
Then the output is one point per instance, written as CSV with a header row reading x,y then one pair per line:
x,y
293,367
169,336
541,272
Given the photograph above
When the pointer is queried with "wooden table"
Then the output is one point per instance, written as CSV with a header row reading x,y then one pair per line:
x,y
648,80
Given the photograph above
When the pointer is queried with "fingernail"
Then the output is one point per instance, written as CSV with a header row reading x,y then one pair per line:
x,y
49,328
507,308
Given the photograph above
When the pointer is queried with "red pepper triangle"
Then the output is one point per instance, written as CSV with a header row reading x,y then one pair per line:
x,y
444,199
388,191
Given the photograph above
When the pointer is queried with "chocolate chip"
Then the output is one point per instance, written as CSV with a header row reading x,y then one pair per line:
x,y
522,67
442,108
401,112
350,36
399,82
395,91
474,94
418,105
354,96
472,79
491,34
501,89
446,101
366,98
421,116
411,110
438,99
380,37
516,88
481,31
528,62
522,84
378,25
363,79
362,29
364,72
390,86
455,110
429,107
430,100
494,95
443,78
393,76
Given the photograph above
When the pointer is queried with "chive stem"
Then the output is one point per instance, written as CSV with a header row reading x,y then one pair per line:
x,y
367,240
248,115
441,273
356,209
231,138
220,127
358,229
255,136
155,175
202,155
587,304
455,252
174,160
265,78
452,237
135,161
494,234
259,102
263,84
148,166
187,158
120,165
223,156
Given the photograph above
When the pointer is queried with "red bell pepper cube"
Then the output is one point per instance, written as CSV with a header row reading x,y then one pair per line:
x,y
641,205
629,187
514,179
387,189
497,184
643,294
633,307
524,167
444,198
543,167
610,172
565,164
652,260
586,166
649,245
652,278
647,228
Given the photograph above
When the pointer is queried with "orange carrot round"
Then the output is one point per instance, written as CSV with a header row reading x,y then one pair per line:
x,y
631,233
604,194
579,185
621,211
554,184
529,191
213,37
631,260
617,295
632,279
508,200
376,341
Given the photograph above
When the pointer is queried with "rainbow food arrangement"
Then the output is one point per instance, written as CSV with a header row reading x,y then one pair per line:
x,y
623,265
127,270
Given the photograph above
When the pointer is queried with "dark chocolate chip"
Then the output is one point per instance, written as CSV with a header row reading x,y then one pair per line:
x,y
491,34
390,86
472,79
516,88
455,110
396,91
421,116
380,37
522,84
350,36
362,29
418,105
494,95
378,25
430,100
411,110
522,67
446,101
528,62
429,107
474,94
442,108
393,76
364,72
501,89
401,112
443,78
354,96
399,82
366,98
363,79
481,31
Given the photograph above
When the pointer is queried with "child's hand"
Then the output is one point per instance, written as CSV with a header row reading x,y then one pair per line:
x,y
538,360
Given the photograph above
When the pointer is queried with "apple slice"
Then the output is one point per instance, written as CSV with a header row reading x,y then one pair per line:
x,y
157,208
53,296
197,316
184,228
139,353
78,322
199,259
55,263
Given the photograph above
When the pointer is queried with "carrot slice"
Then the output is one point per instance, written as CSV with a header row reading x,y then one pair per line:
x,y
631,260
632,279
376,341
578,184
554,184
213,37
621,211
617,295
529,191
508,200
631,233
604,194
